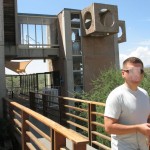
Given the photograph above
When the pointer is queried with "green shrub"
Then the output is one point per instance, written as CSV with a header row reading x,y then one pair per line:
x,y
146,81
107,80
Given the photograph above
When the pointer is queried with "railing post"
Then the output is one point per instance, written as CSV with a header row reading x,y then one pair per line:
x,y
25,127
44,99
58,140
62,111
32,100
11,114
91,108
5,108
81,146
12,94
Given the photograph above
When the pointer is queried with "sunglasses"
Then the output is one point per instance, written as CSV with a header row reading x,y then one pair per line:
x,y
134,70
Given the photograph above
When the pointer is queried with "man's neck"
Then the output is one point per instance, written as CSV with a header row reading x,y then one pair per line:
x,y
132,87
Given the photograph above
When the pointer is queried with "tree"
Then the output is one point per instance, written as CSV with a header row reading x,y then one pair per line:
x,y
146,80
109,79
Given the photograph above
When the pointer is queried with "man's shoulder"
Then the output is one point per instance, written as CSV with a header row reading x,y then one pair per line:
x,y
117,92
118,89
142,90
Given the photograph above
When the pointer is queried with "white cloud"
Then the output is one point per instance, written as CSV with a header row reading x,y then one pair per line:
x,y
141,52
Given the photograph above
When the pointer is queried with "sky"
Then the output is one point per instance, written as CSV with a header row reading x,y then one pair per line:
x,y
135,13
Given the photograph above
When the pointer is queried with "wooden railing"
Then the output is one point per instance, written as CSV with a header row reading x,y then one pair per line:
x,y
83,116
26,122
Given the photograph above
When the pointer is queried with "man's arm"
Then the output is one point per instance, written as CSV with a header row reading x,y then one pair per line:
x,y
148,138
113,127
148,120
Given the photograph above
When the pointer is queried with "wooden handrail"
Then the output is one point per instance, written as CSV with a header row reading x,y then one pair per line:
x,y
86,119
38,131
84,116
91,118
57,131
55,126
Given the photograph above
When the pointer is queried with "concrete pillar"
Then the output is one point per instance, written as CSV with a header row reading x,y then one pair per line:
x,y
2,60
67,43
116,49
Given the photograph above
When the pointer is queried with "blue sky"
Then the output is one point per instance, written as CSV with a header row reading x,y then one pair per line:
x,y
134,12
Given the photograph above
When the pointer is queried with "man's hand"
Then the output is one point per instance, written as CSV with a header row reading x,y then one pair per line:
x,y
144,129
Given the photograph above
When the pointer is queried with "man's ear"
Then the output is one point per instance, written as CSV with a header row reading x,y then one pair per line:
x,y
122,72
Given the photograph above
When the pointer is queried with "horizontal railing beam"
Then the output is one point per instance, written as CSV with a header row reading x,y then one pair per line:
x,y
57,135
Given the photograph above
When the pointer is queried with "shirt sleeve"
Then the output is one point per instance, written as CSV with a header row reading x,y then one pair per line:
x,y
113,106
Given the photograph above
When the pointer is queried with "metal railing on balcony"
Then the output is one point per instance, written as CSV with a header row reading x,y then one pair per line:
x,y
31,43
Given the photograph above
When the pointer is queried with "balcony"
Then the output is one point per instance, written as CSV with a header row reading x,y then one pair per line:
x,y
77,126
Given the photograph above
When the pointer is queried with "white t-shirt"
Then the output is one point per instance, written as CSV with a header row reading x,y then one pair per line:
x,y
129,107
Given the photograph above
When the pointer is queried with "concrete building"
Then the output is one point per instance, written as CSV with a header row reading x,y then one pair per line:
x,y
77,43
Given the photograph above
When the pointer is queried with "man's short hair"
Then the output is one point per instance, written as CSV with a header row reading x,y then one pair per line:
x,y
133,60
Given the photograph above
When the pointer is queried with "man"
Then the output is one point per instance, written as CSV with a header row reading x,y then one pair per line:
x,y
127,110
